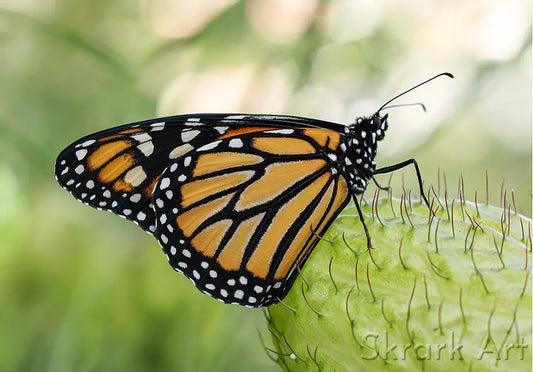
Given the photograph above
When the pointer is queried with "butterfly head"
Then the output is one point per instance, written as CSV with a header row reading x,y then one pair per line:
x,y
365,134
378,125
362,138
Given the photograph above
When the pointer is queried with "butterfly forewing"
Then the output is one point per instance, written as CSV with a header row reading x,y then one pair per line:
x,y
117,169
241,212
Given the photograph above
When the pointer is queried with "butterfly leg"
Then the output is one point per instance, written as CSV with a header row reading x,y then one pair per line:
x,y
368,242
403,164
384,188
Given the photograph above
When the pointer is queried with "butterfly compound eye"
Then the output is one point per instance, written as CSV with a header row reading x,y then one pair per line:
x,y
379,126
376,122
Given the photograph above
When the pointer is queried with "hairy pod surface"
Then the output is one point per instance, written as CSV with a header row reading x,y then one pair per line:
x,y
445,292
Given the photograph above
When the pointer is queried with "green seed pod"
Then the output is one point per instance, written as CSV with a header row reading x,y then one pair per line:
x,y
448,292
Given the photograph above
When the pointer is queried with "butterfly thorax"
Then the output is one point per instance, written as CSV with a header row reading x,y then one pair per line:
x,y
361,146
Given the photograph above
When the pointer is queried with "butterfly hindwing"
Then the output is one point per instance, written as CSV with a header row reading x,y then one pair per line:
x,y
241,213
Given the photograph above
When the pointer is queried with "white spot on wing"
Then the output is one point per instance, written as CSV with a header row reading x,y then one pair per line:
x,y
209,146
135,198
193,121
158,126
88,143
258,289
165,182
141,137
281,131
188,135
235,143
221,130
135,176
80,154
147,148
238,294
180,151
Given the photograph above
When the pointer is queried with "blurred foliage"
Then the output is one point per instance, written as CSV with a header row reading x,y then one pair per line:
x,y
83,290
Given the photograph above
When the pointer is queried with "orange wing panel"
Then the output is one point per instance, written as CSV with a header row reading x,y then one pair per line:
x,y
298,244
321,137
283,145
195,191
277,178
122,185
105,152
208,240
259,263
115,168
230,258
212,162
244,130
189,221
342,193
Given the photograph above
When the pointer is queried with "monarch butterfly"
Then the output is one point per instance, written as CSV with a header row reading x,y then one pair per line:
x,y
237,202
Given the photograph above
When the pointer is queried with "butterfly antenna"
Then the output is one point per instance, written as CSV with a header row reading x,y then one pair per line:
x,y
416,86
406,104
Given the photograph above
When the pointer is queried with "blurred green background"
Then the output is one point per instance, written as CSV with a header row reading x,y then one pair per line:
x,y
82,290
